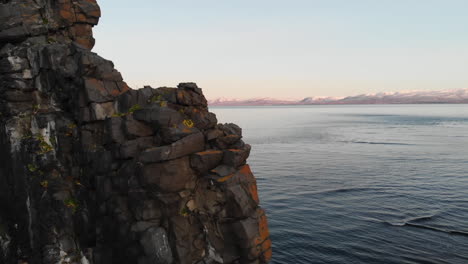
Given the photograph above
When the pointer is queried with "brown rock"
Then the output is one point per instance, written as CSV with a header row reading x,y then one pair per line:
x,y
142,226
190,86
247,231
147,210
201,117
189,94
13,64
254,238
132,148
223,170
241,194
157,249
227,141
83,35
159,116
264,241
236,157
169,176
187,97
189,244
115,130
135,129
245,177
176,132
102,111
239,203
205,161
213,134
186,146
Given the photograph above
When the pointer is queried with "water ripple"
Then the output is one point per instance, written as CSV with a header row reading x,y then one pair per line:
x,y
361,184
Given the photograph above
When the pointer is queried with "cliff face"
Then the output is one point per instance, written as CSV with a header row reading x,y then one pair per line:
x,y
92,171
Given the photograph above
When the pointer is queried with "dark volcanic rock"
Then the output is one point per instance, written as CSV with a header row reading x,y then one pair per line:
x,y
188,145
94,172
156,246
236,157
170,176
136,129
204,161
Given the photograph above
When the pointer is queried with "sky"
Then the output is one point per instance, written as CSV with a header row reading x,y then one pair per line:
x,y
287,49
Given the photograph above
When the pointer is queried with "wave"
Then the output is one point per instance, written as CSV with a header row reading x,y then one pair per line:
x,y
422,218
451,232
352,189
414,219
414,222
378,143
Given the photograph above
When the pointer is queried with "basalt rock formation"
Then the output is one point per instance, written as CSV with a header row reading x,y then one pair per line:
x,y
92,171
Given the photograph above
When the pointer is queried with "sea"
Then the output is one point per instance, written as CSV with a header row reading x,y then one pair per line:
x,y
361,183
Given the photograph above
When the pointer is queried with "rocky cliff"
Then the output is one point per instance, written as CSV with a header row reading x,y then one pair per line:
x,y
92,171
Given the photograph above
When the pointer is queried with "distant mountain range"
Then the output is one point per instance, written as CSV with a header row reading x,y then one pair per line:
x,y
459,96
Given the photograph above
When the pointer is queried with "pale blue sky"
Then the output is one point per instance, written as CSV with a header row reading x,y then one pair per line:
x,y
288,48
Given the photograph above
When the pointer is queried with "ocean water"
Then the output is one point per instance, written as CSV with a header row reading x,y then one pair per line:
x,y
361,184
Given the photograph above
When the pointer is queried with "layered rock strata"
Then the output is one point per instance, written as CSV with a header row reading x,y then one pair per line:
x,y
92,171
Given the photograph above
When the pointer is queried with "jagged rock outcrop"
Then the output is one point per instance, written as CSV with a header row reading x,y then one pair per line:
x,y
92,171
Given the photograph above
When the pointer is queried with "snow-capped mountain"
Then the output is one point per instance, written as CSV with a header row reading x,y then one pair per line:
x,y
458,96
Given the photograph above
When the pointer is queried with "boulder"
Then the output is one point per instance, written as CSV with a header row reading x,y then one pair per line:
x,y
13,64
142,226
230,129
136,129
241,193
189,243
177,132
102,111
239,204
159,116
253,237
189,97
155,243
232,134
96,91
147,210
132,148
190,86
168,176
213,134
115,129
223,171
186,146
205,161
164,95
203,119
245,177
236,157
